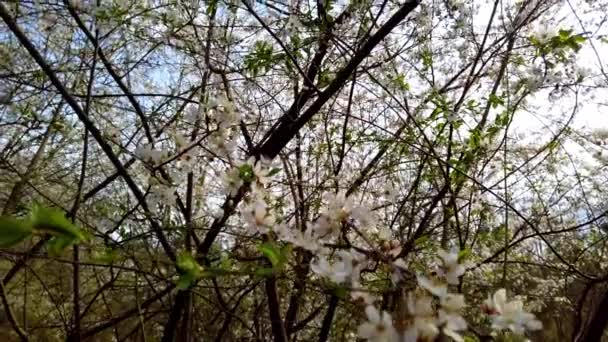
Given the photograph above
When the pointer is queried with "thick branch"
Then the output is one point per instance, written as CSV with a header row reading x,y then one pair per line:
x,y
274,308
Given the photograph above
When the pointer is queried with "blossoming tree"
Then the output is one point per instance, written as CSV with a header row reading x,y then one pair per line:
x,y
231,170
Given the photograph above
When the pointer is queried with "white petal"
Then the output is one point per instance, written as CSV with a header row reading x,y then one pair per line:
x,y
436,289
534,324
367,330
387,319
453,302
499,300
410,335
452,334
400,263
372,314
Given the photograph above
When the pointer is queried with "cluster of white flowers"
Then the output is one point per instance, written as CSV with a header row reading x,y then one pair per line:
x,y
293,25
345,270
426,321
252,171
258,219
161,194
149,154
341,208
432,310
510,315
113,134
544,32
422,321
180,141
232,181
254,211
222,111
379,326
303,239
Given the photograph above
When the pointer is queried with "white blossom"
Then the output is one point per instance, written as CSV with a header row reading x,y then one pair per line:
x,y
340,208
346,268
450,317
378,327
303,239
149,154
222,143
510,315
435,287
257,217
232,181
359,295
451,269
423,321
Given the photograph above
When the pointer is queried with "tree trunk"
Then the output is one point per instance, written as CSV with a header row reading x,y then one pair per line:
x,y
596,323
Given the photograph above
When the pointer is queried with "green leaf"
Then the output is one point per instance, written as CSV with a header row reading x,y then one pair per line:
x,y
427,58
261,58
324,79
495,101
564,34
464,254
211,6
187,264
274,171
472,104
272,253
401,83
475,138
13,231
502,119
58,244
579,39
55,222
340,292
246,173
470,339
185,281
189,270
264,272
421,241
106,256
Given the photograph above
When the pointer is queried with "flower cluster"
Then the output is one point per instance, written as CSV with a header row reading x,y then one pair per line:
x,y
149,154
340,208
346,269
431,310
509,315
222,111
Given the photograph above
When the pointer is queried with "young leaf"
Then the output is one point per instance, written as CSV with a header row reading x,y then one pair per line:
x,y
246,173
274,171
495,101
272,253
340,292
187,264
13,231
55,222
189,270
105,256
185,281
264,272
58,244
